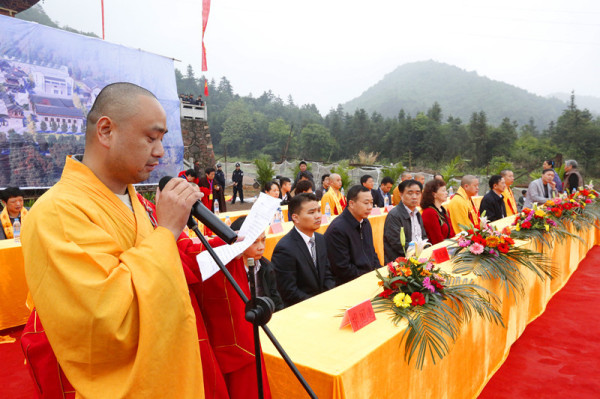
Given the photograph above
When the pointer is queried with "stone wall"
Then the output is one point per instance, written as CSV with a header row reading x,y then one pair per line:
x,y
197,143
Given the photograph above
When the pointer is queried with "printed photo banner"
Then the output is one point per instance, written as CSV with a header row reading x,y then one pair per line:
x,y
49,79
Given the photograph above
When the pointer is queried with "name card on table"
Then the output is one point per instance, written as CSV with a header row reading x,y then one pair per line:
x,y
276,228
389,208
375,211
359,316
441,255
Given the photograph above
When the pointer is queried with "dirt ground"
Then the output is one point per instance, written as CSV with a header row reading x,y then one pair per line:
x,y
249,192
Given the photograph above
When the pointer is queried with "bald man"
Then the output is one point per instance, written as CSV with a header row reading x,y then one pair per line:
x,y
462,209
333,196
396,197
108,287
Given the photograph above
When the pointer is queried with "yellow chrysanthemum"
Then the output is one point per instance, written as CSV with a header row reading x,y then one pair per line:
x,y
540,213
402,300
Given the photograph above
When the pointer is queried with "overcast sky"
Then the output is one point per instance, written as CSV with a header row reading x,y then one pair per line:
x,y
327,52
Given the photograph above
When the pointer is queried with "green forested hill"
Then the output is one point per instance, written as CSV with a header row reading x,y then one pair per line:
x,y
414,87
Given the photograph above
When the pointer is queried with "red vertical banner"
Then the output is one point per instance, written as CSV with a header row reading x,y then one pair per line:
x,y
205,88
102,5
205,12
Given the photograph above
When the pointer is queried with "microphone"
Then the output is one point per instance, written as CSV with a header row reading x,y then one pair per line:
x,y
209,219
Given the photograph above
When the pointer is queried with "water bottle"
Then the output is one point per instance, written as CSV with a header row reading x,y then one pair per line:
x,y
216,207
327,210
17,231
280,214
276,218
227,220
386,201
410,251
450,192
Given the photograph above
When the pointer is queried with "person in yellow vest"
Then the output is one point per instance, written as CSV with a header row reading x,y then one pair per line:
x,y
509,197
396,197
461,207
108,287
333,196
12,198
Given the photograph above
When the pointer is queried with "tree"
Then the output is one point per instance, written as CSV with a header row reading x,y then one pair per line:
x,y
237,128
316,142
278,135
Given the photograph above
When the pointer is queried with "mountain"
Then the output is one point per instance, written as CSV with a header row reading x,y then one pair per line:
x,y
37,14
414,87
590,102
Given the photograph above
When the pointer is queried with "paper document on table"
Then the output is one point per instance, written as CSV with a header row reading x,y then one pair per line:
x,y
255,224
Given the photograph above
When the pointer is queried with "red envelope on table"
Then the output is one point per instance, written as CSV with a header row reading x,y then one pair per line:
x,y
441,255
375,211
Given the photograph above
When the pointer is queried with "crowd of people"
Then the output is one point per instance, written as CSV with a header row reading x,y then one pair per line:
x,y
189,99
114,278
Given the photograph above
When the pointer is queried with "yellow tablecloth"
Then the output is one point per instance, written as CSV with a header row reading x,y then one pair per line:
x,y
13,287
370,364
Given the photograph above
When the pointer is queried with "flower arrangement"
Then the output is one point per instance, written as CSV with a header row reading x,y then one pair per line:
x,y
434,304
573,209
490,253
539,225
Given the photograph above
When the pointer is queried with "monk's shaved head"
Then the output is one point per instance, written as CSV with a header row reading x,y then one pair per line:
x,y
117,101
467,179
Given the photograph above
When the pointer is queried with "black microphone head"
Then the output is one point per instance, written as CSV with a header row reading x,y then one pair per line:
x,y
163,182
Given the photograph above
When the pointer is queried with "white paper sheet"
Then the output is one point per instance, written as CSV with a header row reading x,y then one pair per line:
x,y
255,224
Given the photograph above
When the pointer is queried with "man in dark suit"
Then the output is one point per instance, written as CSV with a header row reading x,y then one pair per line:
x,y
493,202
300,257
406,215
382,192
350,238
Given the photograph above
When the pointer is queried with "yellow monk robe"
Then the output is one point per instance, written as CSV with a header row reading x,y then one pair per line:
x,y
7,225
110,292
462,211
509,202
396,197
337,202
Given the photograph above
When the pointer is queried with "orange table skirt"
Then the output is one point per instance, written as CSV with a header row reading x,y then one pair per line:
x,y
13,287
338,363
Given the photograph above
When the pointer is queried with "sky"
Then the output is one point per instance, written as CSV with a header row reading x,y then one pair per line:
x,y
327,52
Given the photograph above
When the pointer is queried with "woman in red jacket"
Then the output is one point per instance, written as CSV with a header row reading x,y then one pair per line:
x,y
436,219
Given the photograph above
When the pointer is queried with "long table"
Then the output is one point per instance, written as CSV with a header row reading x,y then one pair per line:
x,y
340,364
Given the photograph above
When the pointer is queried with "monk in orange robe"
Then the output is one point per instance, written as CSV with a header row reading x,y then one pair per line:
x,y
108,287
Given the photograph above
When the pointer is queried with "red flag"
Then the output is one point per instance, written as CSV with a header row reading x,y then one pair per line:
x,y
205,88
102,5
205,11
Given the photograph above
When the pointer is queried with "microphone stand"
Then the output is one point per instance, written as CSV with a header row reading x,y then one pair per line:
x,y
258,312
250,316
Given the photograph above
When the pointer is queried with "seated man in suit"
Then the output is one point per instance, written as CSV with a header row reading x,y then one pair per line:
x,y
264,272
383,192
493,202
541,190
350,238
404,215
300,257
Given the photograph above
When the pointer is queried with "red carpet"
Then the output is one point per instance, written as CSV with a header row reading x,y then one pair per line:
x,y
15,382
558,355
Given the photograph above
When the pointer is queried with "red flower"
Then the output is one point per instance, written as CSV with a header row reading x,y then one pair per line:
x,y
397,283
386,294
526,225
437,284
504,248
506,231
479,239
417,299
509,240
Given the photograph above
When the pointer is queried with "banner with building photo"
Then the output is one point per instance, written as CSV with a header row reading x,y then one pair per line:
x,y
49,79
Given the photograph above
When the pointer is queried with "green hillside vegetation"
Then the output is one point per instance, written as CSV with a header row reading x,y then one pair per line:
x,y
415,86
248,127
590,102
37,14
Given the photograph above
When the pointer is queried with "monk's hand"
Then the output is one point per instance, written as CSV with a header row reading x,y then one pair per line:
x,y
174,205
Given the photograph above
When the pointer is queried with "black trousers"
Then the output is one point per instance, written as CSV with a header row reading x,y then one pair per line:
x,y
238,189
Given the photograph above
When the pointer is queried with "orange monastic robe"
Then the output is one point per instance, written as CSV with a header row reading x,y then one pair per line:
x,y
509,202
462,211
396,197
337,202
110,291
